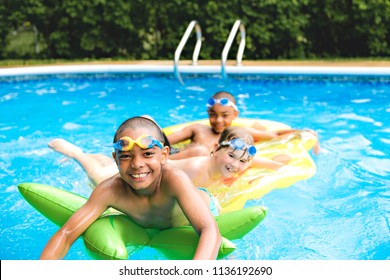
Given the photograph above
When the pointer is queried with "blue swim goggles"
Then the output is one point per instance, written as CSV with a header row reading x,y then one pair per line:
x,y
223,101
239,144
126,143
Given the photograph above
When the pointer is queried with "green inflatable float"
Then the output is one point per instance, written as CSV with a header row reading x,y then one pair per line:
x,y
115,236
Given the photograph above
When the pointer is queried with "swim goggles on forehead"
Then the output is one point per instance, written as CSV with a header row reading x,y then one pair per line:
x,y
223,101
239,144
125,144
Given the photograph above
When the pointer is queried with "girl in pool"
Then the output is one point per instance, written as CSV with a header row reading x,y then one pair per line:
x,y
233,154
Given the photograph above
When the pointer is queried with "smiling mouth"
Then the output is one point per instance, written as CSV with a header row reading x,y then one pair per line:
x,y
231,169
139,176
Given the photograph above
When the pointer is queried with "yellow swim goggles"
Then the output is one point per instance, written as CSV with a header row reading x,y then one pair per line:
x,y
125,144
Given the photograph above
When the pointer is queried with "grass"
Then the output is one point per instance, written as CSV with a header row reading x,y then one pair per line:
x,y
22,44
35,62
369,62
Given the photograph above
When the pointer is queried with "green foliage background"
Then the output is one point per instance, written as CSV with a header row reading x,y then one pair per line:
x,y
152,29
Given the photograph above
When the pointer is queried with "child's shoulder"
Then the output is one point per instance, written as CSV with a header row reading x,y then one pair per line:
x,y
170,168
199,126
172,174
112,184
108,191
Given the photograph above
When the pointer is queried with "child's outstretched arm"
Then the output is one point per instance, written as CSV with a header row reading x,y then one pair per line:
x,y
187,133
59,244
199,215
261,135
275,163
316,148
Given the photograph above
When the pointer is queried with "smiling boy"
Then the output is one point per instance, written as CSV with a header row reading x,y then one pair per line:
x,y
153,193
222,110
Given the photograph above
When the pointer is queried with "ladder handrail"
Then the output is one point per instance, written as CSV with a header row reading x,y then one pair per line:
x,y
228,44
183,41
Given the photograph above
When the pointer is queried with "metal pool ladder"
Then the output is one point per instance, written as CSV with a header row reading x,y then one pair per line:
x,y
193,24
228,44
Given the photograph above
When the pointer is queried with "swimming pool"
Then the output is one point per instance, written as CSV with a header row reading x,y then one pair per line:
x,y
342,213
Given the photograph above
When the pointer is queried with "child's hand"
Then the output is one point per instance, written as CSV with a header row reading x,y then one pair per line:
x,y
316,148
257,125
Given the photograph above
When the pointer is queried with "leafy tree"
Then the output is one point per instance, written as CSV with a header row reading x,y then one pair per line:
x,y
152,29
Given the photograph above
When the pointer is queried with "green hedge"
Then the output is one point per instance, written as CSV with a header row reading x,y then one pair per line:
x,y
152,29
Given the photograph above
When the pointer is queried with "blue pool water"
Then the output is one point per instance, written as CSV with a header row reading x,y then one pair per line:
x,y
342,213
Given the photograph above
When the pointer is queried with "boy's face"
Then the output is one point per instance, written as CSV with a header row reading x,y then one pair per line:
x,y
140,168
221,117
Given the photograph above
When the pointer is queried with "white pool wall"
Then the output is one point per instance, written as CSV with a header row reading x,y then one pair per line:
x,y
143,68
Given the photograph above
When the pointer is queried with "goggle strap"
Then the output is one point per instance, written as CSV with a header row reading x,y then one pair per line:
x,y
250,149
212,101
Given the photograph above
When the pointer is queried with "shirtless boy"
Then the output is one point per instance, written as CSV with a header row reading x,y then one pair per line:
x,y
150,191
222,111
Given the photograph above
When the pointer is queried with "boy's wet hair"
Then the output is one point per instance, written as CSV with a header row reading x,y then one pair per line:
x,y
222,94
234,132
141,122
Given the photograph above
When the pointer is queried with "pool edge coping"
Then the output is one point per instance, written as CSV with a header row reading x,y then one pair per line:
x,y
197,69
